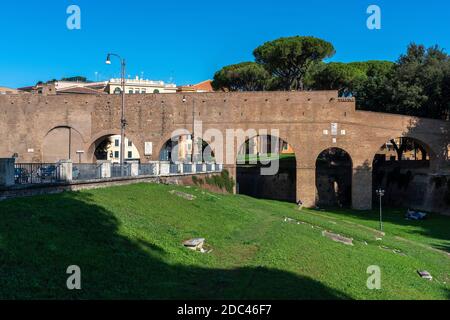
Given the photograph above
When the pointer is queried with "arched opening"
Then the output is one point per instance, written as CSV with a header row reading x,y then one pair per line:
x,y
62,143
266,169
400,168
334,170
107,148
180,148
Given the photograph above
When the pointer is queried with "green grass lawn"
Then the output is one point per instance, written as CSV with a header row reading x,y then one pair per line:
x,y
127,242
265,158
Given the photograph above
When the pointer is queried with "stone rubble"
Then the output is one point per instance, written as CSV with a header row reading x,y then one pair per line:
x,y
338,238
183,195
196,244
425,275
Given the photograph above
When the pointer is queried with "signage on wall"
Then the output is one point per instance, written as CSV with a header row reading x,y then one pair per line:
x,y
334,129
148,148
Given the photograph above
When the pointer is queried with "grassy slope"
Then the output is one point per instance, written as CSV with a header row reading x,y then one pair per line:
x,y
127,241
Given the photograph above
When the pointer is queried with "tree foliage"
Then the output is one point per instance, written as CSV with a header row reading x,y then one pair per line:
x,y
245,76
347,78
289,59
338,76
417,85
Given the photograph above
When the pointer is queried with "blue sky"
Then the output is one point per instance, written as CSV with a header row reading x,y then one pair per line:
x,y
187,41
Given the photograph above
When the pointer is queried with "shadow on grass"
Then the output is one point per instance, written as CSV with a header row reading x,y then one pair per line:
x,y
40,237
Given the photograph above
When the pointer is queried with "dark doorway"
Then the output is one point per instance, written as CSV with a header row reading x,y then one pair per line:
x,y
253,174
401,169
334,178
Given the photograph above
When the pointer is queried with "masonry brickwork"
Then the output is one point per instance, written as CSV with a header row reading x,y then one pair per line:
x,y
29,126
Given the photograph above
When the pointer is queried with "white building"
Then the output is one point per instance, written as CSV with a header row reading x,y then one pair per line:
x,y
113,152
140,86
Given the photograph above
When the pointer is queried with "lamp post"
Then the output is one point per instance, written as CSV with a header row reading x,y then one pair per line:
x,y
123,121
193,127
380,193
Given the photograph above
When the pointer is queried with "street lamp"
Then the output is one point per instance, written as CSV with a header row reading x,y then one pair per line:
x,y
193,127
123,121
380,193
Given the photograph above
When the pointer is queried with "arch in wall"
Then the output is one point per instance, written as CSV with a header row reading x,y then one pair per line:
x,y
266,168
400,167
179,149
61,143
334,174
103,147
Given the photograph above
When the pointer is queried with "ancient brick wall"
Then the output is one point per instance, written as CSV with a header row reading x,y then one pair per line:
x,y
304,120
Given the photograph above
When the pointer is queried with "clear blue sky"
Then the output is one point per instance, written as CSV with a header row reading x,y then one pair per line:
x,y
189,40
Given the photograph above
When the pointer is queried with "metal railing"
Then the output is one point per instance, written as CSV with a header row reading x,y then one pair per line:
x,y
36,173
147,169
187,168
118,170
174,168
86,171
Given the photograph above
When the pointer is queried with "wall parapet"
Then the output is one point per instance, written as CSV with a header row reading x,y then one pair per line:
x,y
18,191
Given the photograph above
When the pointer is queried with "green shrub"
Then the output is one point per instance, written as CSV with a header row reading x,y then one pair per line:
x,y
197,181
222,181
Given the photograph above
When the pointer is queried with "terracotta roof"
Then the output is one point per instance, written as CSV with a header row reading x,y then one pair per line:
x,y
204,86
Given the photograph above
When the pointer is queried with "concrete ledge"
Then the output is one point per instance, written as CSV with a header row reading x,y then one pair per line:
x,y
18,191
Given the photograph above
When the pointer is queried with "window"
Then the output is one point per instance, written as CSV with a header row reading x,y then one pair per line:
x,y
156,91
136,91
130,143
117,90
116,142
130,91
130,154
116,154
144,91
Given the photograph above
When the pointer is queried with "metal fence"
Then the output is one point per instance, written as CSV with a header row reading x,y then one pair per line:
x,y
36,173
174,169
147,169
86,171
187,168
118,170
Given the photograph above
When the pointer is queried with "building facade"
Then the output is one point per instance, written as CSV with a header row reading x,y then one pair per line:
x,y
139,86
113,150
